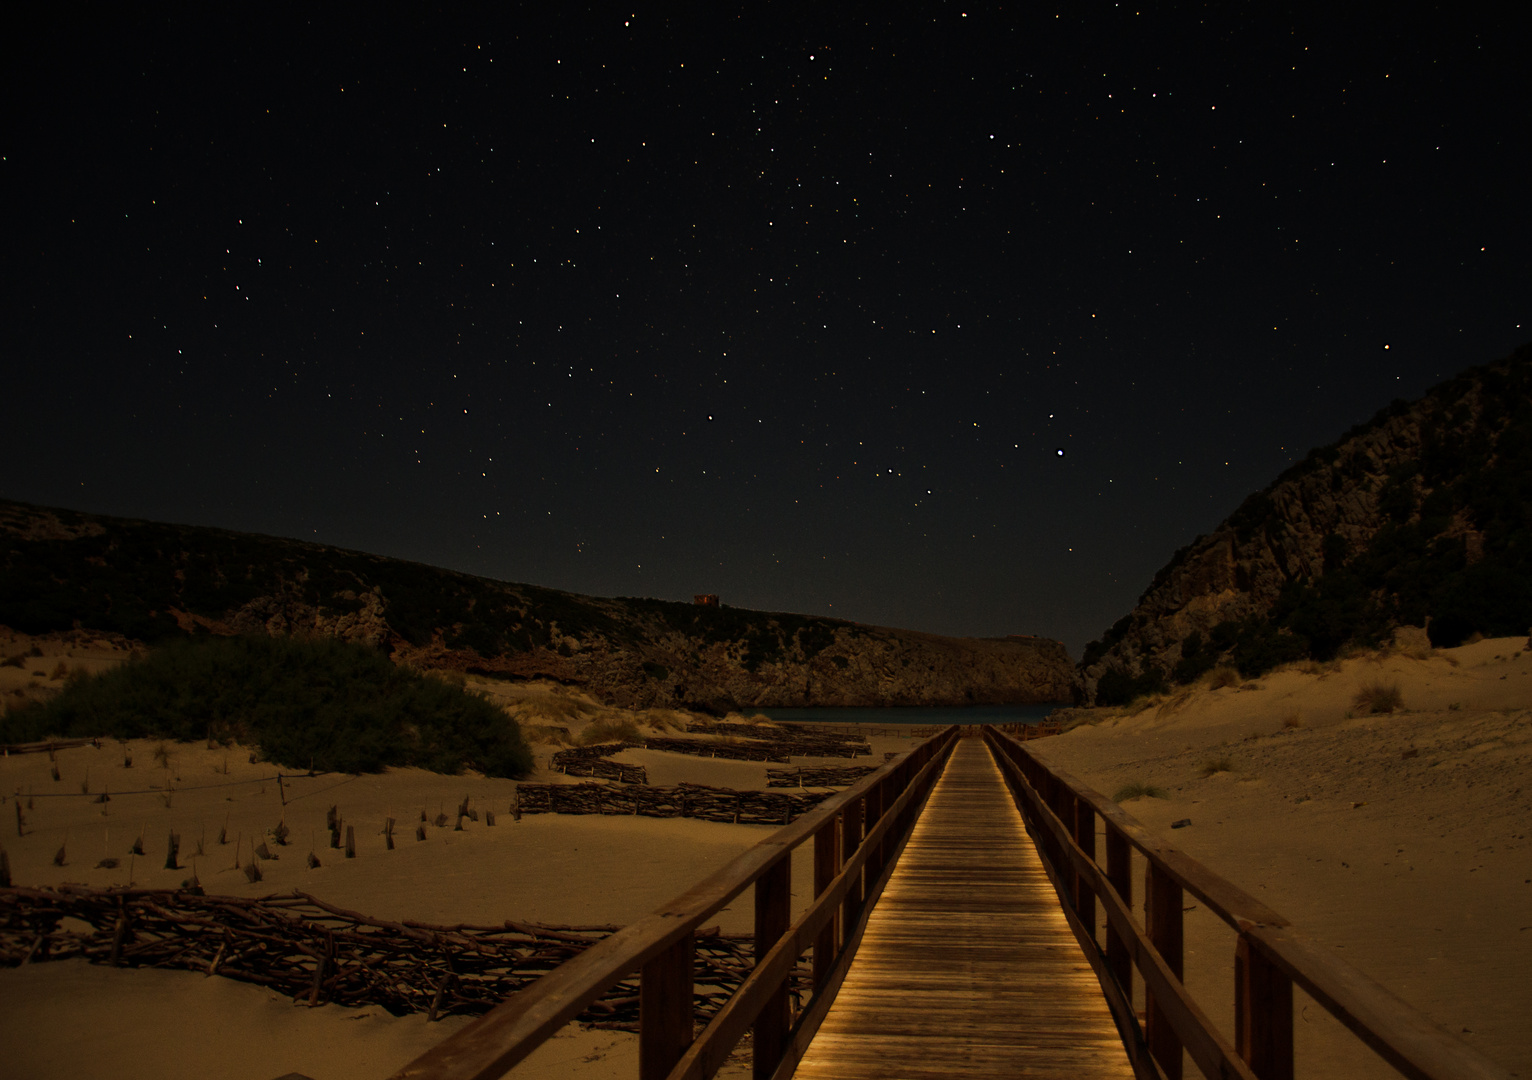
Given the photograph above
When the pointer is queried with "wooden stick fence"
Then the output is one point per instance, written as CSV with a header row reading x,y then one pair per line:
x,y
817,776
592,753
603,769
753,751
315,952
807,742
7,749
684,800
1270,954
857,835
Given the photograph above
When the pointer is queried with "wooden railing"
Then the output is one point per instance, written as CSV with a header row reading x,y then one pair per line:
x,y
857,836
1270,955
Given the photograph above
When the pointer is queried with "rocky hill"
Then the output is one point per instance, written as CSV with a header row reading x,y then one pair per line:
x,y
60,569
1421,517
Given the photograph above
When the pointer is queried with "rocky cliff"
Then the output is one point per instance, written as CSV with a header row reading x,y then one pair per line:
x,y
1419,517
149,581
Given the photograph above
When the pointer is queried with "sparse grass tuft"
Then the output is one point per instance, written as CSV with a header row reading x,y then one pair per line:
x,y
1221,677
1217,765
604,731
1378,698
1139,790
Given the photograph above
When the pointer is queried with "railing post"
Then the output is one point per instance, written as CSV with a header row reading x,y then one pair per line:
x,y
1120,873
873,808
1263,1013
665,1018
1085,837
827,863
773,915
851,839
1162,919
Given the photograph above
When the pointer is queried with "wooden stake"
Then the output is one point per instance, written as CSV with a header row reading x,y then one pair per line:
x,y
350,841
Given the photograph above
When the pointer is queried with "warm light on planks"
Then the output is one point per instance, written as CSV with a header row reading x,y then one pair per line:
x,y
968,967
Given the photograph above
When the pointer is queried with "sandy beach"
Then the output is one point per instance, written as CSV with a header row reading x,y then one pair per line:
x,y
1399,839
69,1018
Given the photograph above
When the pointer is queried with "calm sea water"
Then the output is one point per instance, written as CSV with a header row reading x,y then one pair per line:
x,y
975,714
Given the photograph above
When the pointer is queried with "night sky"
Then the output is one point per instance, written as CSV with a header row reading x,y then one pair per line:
x,y
800,310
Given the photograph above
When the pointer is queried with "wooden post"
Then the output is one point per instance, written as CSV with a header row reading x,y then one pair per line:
x,y
350,841
826,867
773,915
665,1018
873,810
1085,836
1162,919
851,839
1263,1013
1119,872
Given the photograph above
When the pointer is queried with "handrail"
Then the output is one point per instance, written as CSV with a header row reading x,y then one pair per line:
x,y
1271,955
660,944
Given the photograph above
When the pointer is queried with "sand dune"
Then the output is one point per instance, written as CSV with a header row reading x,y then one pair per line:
x,y
1398,839
72,1019
1401,840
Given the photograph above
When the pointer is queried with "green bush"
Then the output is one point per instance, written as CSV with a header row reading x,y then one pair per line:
x,y
320,703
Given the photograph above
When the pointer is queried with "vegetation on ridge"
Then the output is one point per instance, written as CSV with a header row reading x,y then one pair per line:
x,y
320,703
1471,479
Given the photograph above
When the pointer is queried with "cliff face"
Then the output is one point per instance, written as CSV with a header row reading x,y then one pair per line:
x,y
1419,516
60,569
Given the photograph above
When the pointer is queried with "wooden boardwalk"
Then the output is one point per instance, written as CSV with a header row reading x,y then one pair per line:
x,y
968,967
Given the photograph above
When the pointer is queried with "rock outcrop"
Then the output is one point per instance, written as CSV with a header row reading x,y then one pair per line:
x,y
1404,520
149,581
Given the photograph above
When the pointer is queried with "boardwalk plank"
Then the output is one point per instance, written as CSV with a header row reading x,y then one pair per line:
x,y
968,967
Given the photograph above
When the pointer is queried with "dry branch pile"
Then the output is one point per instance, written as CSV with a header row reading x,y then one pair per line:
x,y
818,775
317,953
684,800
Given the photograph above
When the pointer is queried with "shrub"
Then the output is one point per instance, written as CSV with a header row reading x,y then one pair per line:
x,y
1139,790
1221,677
321,703
1217,765
1378,698
1117,687
603,731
